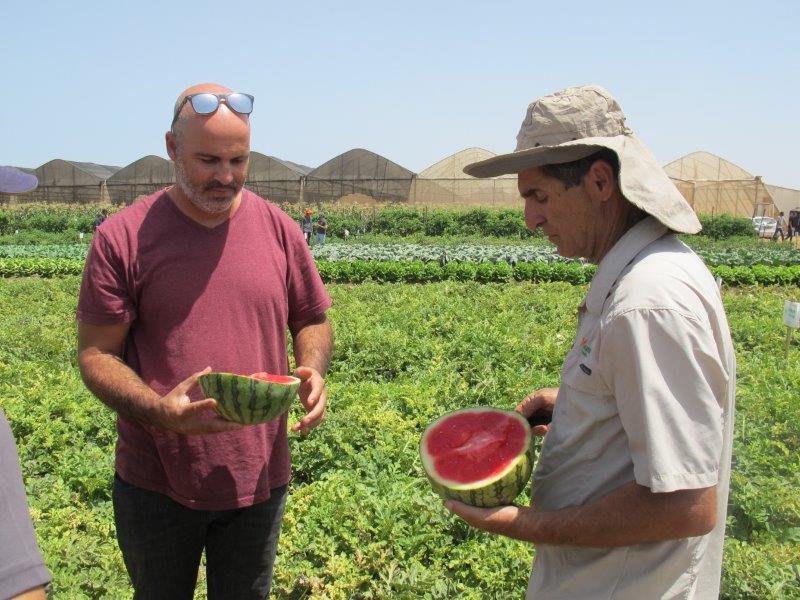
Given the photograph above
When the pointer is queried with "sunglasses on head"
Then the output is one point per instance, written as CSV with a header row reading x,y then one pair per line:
x,y
206,103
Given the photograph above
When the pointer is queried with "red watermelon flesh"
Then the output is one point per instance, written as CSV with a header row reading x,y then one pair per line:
x,y
274,378
476,445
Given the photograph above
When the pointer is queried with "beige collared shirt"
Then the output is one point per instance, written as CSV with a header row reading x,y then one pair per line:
x,y
646,395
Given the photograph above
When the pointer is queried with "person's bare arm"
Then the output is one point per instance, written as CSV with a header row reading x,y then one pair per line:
x,y
37,593
119,387
313,344
629,515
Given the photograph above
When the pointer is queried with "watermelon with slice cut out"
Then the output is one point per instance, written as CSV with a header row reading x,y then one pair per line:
x,y
480,456
250,399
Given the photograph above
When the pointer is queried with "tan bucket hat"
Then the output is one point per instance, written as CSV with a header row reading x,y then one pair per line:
x,y
578,121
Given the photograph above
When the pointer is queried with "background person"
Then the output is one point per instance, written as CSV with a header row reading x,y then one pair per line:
x,y
101,216
23,574
322,228
793,223
204,273
307,225
630,490
780,226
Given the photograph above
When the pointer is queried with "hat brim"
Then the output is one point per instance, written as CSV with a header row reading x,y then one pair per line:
x,y
14,181
642,180
516,162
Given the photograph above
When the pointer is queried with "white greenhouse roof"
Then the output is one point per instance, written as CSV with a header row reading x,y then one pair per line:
x,y
705,166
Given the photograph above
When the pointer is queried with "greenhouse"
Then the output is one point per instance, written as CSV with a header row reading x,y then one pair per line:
x,y
140,178
444,184
785,199
275,179
713,185
70,182
358,176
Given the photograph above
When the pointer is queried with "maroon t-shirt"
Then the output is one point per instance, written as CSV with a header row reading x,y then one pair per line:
x,y
197,297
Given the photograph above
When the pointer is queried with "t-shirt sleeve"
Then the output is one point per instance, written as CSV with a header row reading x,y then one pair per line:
x,y
669,382
21,564
104,297
307,295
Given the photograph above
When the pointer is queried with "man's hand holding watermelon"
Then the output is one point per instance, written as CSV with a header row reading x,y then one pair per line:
x,y
314,398
538,408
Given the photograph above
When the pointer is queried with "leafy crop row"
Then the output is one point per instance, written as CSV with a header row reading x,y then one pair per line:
x,y
72,251
396,221
43,267
441,254
357,271
416,271
772,255
48,218
758,275
390,220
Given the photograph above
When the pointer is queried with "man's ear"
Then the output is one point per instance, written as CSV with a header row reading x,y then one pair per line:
x,y
600,181
172,145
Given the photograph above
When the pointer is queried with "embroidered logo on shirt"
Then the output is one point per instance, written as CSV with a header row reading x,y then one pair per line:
x,y
585,369
586,349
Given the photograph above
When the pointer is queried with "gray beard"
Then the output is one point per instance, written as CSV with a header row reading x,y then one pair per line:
x,y
195,195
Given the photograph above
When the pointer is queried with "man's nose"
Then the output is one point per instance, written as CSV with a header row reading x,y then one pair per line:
x,y
534,215
224,174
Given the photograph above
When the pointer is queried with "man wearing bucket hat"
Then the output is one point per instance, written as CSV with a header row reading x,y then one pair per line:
x,y
23,573
630,490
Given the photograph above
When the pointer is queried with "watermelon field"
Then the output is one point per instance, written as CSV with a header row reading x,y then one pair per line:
x,y
362,521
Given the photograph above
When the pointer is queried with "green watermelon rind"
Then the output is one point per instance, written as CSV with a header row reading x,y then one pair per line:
x,y
246,400
499,490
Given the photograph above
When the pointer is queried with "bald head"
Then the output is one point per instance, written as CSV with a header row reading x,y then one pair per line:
x,y
208,133
186,112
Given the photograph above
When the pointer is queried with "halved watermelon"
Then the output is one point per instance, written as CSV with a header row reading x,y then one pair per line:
x,y
256,398
480,456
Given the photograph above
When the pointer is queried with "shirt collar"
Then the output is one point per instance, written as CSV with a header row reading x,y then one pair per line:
x,y
633,241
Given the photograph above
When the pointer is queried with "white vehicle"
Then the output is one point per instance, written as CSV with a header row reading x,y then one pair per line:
x,y
765,226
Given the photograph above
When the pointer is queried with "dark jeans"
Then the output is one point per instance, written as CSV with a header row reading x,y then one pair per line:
x,y
162,542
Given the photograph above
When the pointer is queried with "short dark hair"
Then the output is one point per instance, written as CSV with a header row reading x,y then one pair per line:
x,y
572,173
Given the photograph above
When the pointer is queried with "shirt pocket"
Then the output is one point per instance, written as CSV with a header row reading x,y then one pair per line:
x,y
582,366
585,404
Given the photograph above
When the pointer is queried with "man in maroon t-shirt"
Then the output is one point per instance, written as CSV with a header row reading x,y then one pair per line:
x,y
202,275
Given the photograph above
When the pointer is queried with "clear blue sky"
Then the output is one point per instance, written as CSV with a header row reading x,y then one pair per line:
x,y
414,81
